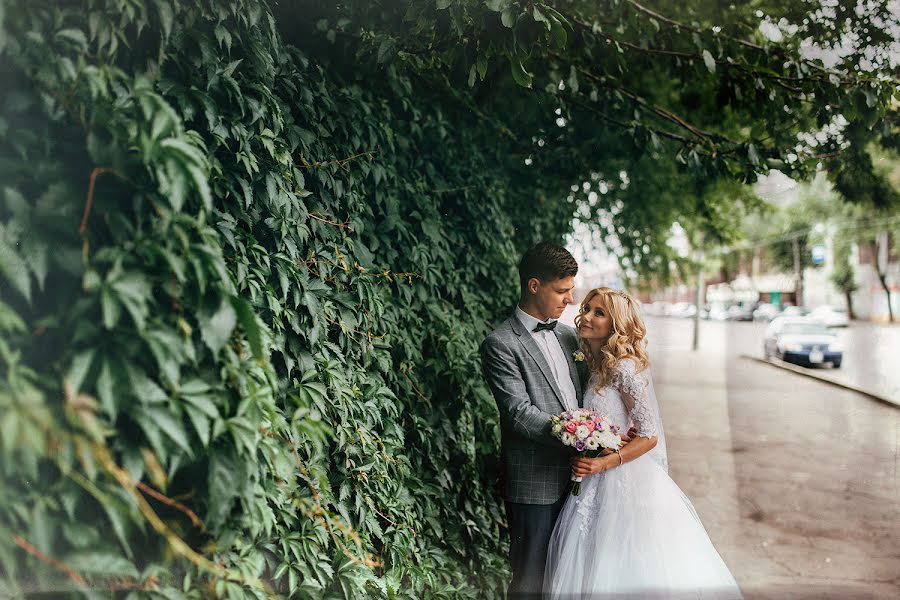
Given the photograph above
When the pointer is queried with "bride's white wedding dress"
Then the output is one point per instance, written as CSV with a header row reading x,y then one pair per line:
x,y
632,533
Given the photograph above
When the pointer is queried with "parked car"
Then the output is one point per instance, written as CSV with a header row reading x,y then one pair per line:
x,y
683,310
717,312
794,311
658,308
803,341
766,312
736,312
831,316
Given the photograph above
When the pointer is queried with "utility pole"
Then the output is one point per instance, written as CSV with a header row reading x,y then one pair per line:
x,y
701,292
798,272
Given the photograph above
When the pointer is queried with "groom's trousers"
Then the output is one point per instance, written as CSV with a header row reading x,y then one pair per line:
x,y
530,527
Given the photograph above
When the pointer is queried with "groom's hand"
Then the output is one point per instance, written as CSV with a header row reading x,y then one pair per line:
x,y
627,437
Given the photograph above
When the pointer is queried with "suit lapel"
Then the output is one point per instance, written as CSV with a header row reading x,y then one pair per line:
x,y
570,360
532,348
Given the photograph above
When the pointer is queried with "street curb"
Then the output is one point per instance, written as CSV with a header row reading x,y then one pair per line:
x,y
812,374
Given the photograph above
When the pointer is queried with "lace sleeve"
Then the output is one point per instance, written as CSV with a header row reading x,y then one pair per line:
x,y
632,387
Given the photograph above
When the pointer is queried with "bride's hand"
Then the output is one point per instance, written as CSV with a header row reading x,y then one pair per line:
x,y
583,466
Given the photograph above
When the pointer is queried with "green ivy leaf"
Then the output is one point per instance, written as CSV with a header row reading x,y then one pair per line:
x,y
558,34
97,562
224,487
254,329
163,418
709,61
520,75
79,368
752,154
76,36
14,269
105,390
386,51
216,328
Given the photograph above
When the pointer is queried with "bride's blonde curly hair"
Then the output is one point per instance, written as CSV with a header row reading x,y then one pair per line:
x,y
627,339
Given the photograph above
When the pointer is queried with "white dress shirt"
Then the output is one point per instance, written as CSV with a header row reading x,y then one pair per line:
x,y
556,357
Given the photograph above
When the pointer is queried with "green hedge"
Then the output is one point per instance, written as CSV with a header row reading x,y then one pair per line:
x,y
243,288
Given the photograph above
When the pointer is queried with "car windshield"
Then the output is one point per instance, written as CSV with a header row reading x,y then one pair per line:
x,y
805,329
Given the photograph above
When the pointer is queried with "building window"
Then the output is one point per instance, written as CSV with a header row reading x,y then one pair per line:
x,y
866,253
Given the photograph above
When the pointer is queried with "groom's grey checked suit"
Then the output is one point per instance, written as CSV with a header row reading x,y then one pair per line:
x,y
536,466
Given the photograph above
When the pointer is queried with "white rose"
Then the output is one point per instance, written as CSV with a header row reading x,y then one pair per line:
x,y
581,432
610,440
592,443
568,439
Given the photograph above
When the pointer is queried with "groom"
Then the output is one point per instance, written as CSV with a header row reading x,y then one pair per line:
x,y
529,364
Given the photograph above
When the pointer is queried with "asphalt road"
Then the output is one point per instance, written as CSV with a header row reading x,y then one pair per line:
x,y
797,482
871,352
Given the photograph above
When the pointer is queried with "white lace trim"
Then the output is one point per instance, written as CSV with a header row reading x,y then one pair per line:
x,y
585,504
633,386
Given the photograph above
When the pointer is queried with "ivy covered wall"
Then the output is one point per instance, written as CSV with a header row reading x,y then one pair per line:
x,y
243,287
248,249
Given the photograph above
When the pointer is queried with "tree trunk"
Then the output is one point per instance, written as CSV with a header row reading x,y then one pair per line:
x,y
887,292
798,273
882,256
848,298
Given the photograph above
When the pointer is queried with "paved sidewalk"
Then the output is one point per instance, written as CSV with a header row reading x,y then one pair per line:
x,y
795,481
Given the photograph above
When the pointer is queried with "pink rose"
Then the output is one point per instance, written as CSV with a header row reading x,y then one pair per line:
x,y
591,425
571,426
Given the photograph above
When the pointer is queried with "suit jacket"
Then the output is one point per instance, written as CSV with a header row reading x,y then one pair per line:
x,y
536,465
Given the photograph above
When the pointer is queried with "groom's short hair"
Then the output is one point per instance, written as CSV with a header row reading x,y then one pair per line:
x,y
547,262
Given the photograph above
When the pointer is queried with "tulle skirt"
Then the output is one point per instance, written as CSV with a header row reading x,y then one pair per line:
x,y
632,533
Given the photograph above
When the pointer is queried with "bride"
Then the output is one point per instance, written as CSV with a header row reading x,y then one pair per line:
x,y
631,533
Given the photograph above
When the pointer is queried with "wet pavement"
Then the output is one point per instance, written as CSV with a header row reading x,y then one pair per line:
x,y
797,482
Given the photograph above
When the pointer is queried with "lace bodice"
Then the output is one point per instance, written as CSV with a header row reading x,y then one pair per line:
x,y
625,399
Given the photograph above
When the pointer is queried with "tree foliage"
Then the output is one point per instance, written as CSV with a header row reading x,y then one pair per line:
x,y
248,252
674,97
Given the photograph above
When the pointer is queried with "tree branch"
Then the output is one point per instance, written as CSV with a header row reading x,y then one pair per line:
x,y
696,58
341,225
660,132
319,511
177,545
844,78
59,566
316,165
195,520
657,110
90,194
680,25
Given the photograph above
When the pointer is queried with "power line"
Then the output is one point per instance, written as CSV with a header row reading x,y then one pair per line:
x,y
791,235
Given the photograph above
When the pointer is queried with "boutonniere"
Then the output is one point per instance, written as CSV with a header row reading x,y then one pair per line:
x,y
578,355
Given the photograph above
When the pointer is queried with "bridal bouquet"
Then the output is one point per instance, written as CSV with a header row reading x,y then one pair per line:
x,y
588,431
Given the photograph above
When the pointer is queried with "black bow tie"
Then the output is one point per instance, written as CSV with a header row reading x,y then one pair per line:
x,y
548,326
